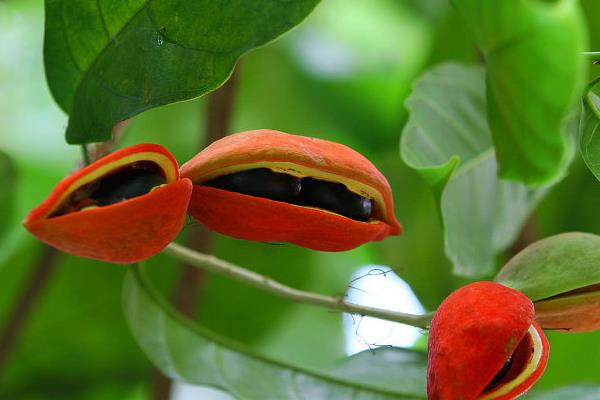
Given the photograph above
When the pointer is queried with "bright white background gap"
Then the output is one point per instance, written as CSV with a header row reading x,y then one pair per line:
x,y
372,287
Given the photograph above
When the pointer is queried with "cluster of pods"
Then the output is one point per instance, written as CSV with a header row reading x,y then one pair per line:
x,y
259,185
267,186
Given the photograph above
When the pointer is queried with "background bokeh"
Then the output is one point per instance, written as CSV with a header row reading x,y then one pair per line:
x,y
342,75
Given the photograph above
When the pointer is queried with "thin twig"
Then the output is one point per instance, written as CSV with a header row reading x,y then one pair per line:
x,y
101,149
232,271
85,155
33,288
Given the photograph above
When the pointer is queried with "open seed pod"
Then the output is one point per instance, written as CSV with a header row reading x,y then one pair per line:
x,y
561,274
484,344
267,186
123,208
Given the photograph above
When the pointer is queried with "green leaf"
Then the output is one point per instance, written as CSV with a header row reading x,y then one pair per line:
x,y
447,140
188,352
534,75
582,392
400,370
589,141
554,265
561,275
107,61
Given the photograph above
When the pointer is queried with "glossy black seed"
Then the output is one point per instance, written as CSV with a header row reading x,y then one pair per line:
x,y
259,182
335,197
128,182
262,182
125,183
502,373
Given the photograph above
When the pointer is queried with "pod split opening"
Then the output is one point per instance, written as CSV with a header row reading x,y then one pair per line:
x,y
272,186
123,208
484,344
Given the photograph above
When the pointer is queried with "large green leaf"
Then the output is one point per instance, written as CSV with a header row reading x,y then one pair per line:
x,y
447,140
534,75
191,353
589,140
109,60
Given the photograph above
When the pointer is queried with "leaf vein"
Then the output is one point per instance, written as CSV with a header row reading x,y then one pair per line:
x,y
67,41
102,20
460,127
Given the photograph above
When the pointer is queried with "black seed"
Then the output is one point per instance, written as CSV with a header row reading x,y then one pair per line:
x,y
125,183
259,182
132,181
335,197
262,182
502,373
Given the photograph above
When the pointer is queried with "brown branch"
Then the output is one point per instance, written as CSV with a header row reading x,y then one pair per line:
x,y
189,285
32,291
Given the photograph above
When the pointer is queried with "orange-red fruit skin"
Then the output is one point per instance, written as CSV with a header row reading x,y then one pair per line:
x,y
536,375
471,336
267,220
260,219
122,233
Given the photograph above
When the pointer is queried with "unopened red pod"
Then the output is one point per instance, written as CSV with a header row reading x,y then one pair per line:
x,y
269,186
122,209
484,344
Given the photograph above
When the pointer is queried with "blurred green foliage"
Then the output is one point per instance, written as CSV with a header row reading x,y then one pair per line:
x,y
77,344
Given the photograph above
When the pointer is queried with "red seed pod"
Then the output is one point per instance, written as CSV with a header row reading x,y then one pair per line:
x,y
122,209
484,344
268,186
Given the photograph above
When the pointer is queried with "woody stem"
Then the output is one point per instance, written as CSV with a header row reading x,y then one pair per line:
x,y
219,110
232,271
